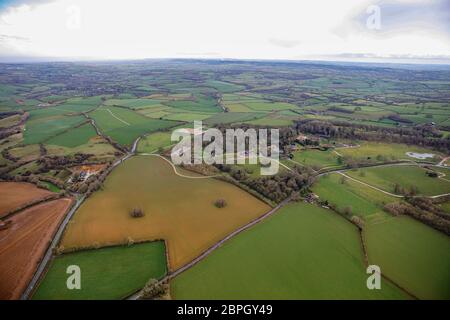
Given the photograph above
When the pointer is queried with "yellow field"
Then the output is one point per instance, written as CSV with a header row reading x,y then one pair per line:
x,y
178,210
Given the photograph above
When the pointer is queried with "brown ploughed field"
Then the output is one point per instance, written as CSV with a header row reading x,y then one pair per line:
x,y
18,194
23,243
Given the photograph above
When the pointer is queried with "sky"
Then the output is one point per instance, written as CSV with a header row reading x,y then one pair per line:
x,y
348,30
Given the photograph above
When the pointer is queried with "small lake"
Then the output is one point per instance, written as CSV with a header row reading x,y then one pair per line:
x,y
421,156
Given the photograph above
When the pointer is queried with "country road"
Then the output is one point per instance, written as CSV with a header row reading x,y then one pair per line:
x,y
217,245
404,163
370,186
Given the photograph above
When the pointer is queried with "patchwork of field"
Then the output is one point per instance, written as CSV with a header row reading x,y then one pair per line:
x,y
124,125
107,273
326,262
177,209
386,151
351,196
230,117
19,194
97,146
9,121
26,152
23,243
42,129
408,177
74,137
412,254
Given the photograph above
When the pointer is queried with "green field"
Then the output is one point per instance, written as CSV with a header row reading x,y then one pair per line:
x,y
200,103
39,130
124,125
230,117
405,176
272,120
269,106
363,201
413,255
188,117
9,121
132,103
326,262
316,158
107,273
224,87
154,141
74,137
383,151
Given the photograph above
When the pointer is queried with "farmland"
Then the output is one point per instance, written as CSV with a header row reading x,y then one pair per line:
x,y
42,129
129,266
154,141
24,242
406,250
316,158
74,137
17,194
248,267
349,195
364,150
405,176
124,126
384,151
149,183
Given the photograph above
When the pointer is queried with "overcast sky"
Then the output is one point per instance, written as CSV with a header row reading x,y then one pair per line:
x,y
402,30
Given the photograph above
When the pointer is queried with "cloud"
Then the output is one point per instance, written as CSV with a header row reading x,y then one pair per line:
x,y
284,43
256,29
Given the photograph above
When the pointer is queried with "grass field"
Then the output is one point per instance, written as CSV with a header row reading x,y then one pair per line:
x,y
42,129
124,126
97,146
74,137
9,121
107,273
390,151
154,141
362,200
269,106
415,256
272,120
177,209
201,103
406,176
326,262
230,117
188,117
316,158
27,152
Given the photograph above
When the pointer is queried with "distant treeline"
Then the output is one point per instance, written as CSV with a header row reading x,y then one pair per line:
x,y
425,135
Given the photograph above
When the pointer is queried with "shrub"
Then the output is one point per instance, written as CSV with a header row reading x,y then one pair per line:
x,y
137,213
153,289
220,203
